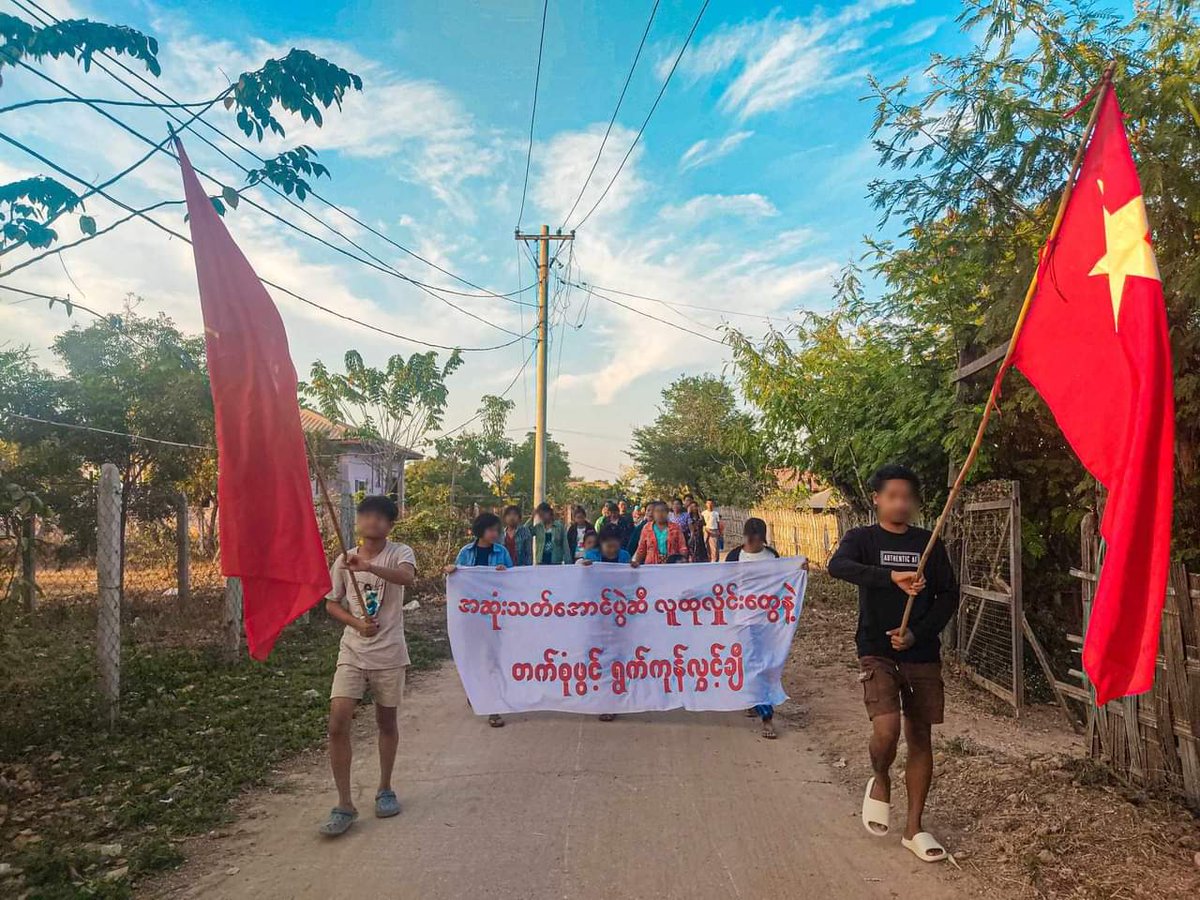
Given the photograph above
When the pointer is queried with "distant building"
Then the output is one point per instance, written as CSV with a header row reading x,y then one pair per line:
x,y
361,467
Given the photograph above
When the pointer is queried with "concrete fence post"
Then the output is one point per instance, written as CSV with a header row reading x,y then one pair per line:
x,y
233,617
183,549
29,564
108,582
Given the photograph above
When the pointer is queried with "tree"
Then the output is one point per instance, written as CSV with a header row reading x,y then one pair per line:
x,y
520,471
702,444
390,410
300,82
818,386
491,446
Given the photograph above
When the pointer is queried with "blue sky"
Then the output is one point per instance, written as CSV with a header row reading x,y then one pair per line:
x,y
746,193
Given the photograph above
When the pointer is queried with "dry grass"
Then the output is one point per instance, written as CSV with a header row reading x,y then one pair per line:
x,y
1027,817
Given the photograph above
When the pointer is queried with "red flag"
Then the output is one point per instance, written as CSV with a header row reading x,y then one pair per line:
x,y
1095,346
269,535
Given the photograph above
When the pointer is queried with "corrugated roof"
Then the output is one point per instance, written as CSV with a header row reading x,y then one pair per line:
x,y
313,421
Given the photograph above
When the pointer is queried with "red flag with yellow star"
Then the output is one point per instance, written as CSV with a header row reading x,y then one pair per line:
x,y
1095,346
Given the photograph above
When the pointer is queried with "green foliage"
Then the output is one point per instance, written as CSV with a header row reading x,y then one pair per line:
x,y
520,472
843,393
29,205
301,83
288,172
195,730
491,447
703,444
78,39
130,374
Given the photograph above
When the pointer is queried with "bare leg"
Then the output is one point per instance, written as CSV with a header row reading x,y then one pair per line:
x,y
389,740
341,714
918,772
885,737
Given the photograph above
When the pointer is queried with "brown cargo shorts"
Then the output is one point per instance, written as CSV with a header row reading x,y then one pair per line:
x,y
914,688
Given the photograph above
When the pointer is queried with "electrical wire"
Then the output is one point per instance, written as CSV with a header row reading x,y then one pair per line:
x,y
374,262
174,103
503,394
676,303
537,78
136,437
662,90
593,292
173,233
612,120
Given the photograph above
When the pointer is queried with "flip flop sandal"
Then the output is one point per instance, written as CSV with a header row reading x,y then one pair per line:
x,y
386,805
607,717
875,813
339,822
496,721
768,730
925,847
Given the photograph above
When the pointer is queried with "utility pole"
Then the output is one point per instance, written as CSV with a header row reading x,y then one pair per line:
x,y
539,446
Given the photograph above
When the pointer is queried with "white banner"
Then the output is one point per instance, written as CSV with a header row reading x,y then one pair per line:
x,y
608,638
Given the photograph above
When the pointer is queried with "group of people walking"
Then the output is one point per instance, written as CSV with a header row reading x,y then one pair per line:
x,y
899,657
651,533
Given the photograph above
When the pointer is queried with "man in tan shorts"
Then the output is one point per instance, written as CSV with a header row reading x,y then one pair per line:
x,y
373,652
901,669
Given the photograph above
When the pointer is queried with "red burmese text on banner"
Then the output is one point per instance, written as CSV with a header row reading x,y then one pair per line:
x,y
1095,346
269,534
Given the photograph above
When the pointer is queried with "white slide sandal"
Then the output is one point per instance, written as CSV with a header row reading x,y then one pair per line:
x,y
925,847
875,813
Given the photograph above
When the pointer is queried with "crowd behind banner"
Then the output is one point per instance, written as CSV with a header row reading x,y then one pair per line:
x,y
652,532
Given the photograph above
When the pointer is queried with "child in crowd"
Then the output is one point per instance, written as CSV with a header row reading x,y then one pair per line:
x,y
485,550
550,546
373,652
901,670
607,549
590,542
518,539
696,541
712,528
580,526
755,549
661,540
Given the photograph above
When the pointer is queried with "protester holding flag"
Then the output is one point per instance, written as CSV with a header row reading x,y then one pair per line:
x,y
901,671
373,652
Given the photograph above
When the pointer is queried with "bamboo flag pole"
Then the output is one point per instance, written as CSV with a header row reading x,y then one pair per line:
x,y
1100,92
337,525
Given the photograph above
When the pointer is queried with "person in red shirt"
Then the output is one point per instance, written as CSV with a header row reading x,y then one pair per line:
x,y
661,539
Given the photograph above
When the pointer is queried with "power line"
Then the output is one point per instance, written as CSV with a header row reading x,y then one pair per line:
x,y
537,78
675,303
170,231
662,90
377,263
485,292
593,292
136,437
613,118
503,394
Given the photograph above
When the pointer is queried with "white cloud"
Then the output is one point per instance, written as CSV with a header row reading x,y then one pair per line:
x,y
708,206
919,31
705,151
776,61
562,164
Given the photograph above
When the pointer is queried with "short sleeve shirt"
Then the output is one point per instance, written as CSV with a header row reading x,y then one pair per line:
x,y
387,649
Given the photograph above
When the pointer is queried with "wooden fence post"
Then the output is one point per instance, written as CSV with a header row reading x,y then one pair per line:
x,y
108,582
183,549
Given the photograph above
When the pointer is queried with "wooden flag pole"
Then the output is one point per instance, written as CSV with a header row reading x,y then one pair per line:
x,y
337,525
1100,92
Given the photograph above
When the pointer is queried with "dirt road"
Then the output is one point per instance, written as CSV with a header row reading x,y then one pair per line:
x,y
652,806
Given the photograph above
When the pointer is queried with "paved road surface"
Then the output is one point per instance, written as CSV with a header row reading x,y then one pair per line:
x,y
672,805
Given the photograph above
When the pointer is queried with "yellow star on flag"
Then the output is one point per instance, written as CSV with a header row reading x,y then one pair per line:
x,y
1127,249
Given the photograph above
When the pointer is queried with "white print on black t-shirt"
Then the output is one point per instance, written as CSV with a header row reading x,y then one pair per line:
x,y
898,558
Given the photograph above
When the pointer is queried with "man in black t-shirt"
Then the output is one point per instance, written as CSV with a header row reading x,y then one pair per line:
x,y
901,671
